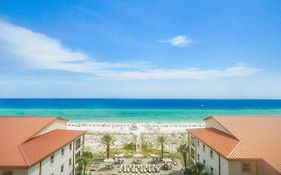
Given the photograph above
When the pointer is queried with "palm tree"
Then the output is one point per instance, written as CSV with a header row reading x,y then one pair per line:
x,y
84,160
183,150
107,140
162,140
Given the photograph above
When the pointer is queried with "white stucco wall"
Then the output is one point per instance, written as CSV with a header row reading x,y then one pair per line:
x,y
48,168
257,168
236,168
57,124
212,123
229,167
211,161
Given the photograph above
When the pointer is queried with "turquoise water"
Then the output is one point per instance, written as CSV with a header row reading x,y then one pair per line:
x,y
140,110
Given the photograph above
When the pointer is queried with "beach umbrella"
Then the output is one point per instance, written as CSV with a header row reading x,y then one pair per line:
x,y
154,155
108,161
119,155
138,156
166,160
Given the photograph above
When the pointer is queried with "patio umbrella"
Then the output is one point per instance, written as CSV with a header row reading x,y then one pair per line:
x,y
166,160
154,155
138,156
108,161
119,155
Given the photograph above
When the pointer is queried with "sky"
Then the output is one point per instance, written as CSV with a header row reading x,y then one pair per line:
x,y
140,49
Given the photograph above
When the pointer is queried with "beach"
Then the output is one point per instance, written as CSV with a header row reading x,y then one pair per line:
x,y
142,136
135,128
129,132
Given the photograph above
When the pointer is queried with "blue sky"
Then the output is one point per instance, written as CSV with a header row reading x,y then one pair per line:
x,y
140,49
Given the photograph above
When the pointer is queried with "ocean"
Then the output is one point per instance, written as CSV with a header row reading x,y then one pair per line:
x,y
137,110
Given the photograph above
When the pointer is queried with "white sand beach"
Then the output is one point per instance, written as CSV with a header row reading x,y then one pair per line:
x,y
143,135
135,128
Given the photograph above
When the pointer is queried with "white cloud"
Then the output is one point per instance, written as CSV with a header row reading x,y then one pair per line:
x,y
190,73
178,41
36,50
33,50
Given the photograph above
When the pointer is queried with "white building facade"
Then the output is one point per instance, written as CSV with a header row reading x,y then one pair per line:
x,y
61,161
204,149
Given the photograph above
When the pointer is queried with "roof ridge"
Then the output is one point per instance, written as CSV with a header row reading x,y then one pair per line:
x,y
23,155
229,135
53,119
231,152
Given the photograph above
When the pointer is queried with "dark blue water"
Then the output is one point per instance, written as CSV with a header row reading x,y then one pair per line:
x,y
140,103
143,110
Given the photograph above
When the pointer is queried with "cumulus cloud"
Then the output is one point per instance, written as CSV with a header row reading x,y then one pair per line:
x,y
178,41
33,50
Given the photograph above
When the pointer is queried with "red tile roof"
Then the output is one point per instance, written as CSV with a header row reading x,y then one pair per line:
x,y
259,137
42,146
221,142
14,133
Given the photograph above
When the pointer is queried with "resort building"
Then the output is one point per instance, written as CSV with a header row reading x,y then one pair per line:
x,y
38,146
245,145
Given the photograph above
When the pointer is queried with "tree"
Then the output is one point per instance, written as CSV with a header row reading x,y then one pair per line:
x,y
129,147
162,140
183,150
198,169
107,140
84,160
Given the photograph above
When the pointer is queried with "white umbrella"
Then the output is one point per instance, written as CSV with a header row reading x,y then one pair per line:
x,y
167,160
138,156
119,155
154,155
108,160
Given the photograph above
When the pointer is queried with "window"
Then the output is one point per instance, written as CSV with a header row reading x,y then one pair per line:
x,y
52,159
212,170
62,151
246,167
198,143
70,146
204,162
211,153
77,155
192,153
204,148
69,161
61,169
78,143
198,157
8,173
